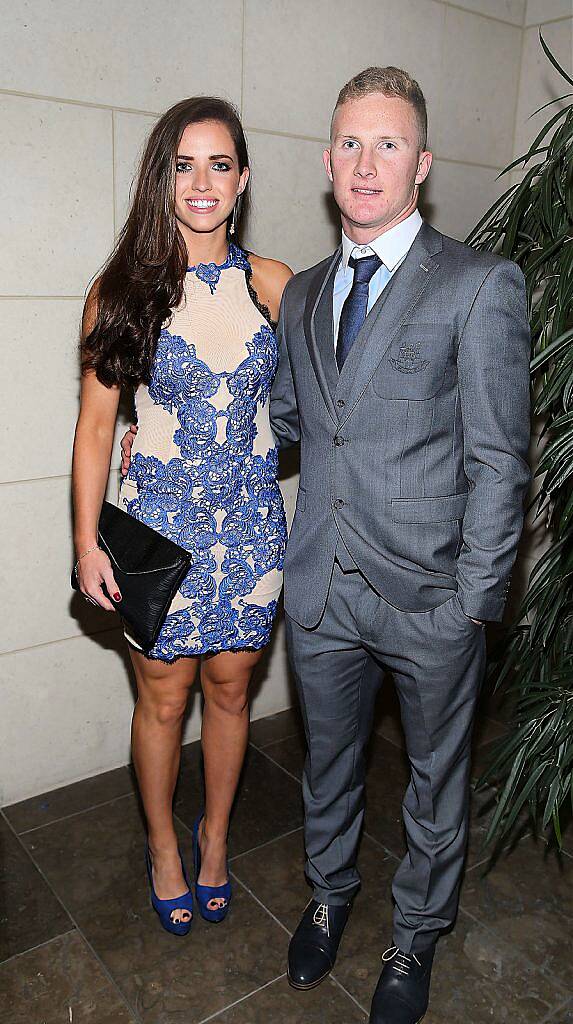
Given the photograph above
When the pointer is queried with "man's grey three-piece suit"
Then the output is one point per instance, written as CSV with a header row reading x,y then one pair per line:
x,y
408,516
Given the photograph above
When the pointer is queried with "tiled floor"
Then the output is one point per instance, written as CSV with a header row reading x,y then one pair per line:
x,y
79,941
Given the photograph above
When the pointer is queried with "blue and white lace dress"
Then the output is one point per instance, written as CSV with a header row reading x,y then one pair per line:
x,y
204,463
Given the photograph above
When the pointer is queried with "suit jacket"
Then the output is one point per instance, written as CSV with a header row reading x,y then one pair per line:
x,y
413,459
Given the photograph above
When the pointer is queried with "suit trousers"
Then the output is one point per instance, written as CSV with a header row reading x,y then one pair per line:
x,y
437,659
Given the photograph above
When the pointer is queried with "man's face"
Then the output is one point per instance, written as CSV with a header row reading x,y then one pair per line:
x,y
375,164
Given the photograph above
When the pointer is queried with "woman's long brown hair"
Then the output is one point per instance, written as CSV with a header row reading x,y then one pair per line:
x,y
143,278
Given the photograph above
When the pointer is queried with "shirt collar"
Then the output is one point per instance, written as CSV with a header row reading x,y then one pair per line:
x,y
391,246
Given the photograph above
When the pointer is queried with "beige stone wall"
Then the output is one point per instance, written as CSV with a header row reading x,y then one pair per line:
x,y
80,85
538,84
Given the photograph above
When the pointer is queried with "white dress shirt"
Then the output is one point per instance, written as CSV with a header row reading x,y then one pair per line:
x,y
391,247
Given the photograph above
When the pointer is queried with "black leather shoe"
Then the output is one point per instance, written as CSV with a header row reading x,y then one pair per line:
x,y
314,945
403,989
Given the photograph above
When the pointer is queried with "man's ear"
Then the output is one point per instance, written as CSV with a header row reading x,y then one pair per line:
x,y
424,164
327,164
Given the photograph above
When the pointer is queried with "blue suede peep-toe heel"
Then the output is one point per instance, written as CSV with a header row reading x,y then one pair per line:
x,y
165,908
205,893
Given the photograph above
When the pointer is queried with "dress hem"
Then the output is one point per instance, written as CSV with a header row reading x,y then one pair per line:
x,y
197,654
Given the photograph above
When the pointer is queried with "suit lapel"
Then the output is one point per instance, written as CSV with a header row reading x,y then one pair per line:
x,y
317,321
395,304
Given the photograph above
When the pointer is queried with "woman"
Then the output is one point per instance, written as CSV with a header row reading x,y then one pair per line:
x,y
186,318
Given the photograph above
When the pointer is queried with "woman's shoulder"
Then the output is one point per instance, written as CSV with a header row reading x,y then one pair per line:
x,y
91,307
266,268
269,280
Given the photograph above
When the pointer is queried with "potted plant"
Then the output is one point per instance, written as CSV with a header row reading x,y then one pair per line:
x,y
532,224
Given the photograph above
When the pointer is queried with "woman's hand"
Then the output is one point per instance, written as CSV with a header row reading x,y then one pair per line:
x,y
126,443
93,570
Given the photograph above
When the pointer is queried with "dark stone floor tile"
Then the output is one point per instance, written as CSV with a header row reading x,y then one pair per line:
x,y
387,777
289,754
487,729
478,976
481,979
277,879
387,721
482,808
566,816
208,969
95,863
527,897
276,727
58,983
369,929
29,912
498,705
483,758
563,1015
59,803
95,858
284,1005
268,802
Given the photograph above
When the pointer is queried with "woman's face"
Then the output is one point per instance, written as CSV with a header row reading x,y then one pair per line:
x,y
207,179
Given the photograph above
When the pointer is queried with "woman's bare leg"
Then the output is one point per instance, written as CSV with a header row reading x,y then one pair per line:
x,y
163,690
225,679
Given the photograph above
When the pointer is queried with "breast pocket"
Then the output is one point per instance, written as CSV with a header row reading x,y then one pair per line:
x,y
413,368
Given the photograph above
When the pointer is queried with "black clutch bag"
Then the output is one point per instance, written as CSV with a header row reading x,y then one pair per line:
x,y
148,570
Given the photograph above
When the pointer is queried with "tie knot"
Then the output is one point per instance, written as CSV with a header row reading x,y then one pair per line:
x,y
365,268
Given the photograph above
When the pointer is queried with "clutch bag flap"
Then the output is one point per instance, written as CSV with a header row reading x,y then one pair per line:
x,y
135,548
147,567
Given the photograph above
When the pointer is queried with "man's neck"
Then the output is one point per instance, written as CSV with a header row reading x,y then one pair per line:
x,y
363,236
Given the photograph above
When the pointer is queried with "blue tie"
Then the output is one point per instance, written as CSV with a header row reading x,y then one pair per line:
x,y
354,309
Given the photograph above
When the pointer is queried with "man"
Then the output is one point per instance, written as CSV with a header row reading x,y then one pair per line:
x,y
404,373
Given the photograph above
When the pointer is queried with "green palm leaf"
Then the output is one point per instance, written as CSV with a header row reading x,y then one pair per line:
x,y
532,223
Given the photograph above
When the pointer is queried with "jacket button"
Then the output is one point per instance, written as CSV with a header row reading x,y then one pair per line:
x,y
339,441
340,403
338,503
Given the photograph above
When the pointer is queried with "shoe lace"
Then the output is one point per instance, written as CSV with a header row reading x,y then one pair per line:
x,y
320,917
402,961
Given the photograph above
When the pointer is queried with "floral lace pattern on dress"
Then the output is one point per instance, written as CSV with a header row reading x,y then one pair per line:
x,y
211,272
216,498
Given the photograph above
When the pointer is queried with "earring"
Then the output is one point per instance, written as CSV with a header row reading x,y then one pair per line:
x,y
234,215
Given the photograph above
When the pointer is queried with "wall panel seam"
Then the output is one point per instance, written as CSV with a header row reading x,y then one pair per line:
x,y
482,14
244,28
36,479
78,103
550,21
57,476
325,142
62,640
34,297
518,93
113,173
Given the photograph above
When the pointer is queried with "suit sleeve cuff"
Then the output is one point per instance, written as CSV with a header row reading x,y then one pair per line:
x,y
487,607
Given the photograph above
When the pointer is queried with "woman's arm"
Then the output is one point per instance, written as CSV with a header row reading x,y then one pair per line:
x,y
90,470
269,280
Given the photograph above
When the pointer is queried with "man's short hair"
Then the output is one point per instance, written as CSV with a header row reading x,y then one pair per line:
x,y
390,82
